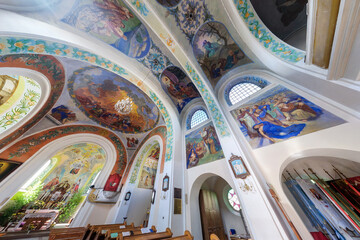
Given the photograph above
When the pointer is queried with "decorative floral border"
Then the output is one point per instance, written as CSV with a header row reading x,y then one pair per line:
x,y
21,45
28,146
217,117
47,65
140,6
23,106
264,36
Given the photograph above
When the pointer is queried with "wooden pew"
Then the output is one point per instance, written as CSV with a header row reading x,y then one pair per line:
x,y
114,233
187,236
147,236
67,233
99,230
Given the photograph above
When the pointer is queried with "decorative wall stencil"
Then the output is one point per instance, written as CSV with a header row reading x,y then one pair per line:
x,y
28,97
264,36
28,146
7,167
156,61
178,86
190,15
216,51
202,146
112,22
63,114
217,116
112,101
149,167
47,65
168,3
258,81
159,131
21,45
279,114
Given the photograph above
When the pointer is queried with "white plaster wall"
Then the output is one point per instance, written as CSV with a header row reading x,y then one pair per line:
x,y
139,203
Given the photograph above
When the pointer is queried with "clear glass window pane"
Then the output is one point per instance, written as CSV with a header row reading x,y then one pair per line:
x,y
198,117
241,91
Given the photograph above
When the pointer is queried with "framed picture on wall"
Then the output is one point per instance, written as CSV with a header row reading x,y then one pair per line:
x,y
165,185
238,167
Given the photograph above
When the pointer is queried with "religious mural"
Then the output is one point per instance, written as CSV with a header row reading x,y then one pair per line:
x,y
132,142
178,86
216,51
280,114
75,169
168,3
112,22
63,114
202,146
112,101
149,167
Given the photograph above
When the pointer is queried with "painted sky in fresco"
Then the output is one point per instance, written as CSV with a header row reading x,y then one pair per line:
x,y
112,101
280,114
112,22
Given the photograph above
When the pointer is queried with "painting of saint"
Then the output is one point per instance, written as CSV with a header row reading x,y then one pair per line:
x,y
203,146
149,168
112,22
279,114
178,86
112,101
216,51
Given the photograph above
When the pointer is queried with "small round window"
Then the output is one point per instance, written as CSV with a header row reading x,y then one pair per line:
x,y
241,91
198,117
233,200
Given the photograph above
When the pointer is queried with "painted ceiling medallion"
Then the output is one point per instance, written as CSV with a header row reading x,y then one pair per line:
x,y
190,15
112,101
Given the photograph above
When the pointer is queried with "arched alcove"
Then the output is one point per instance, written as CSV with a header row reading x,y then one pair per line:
x,y
321,185
215,184
143,179
25,172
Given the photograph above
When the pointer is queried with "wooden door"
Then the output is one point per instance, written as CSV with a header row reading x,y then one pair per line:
x,y
210,215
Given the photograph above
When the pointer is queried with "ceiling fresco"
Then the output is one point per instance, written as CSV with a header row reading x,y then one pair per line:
x,y
216,51
113,23
178,86
168,3
112,101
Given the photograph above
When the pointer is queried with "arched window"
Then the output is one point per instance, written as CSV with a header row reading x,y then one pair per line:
x,y
233,200
198,117
241,91
242,88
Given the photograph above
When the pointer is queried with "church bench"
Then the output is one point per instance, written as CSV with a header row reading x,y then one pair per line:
x,y
187,236
114,233
67,233
97,230
147,236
